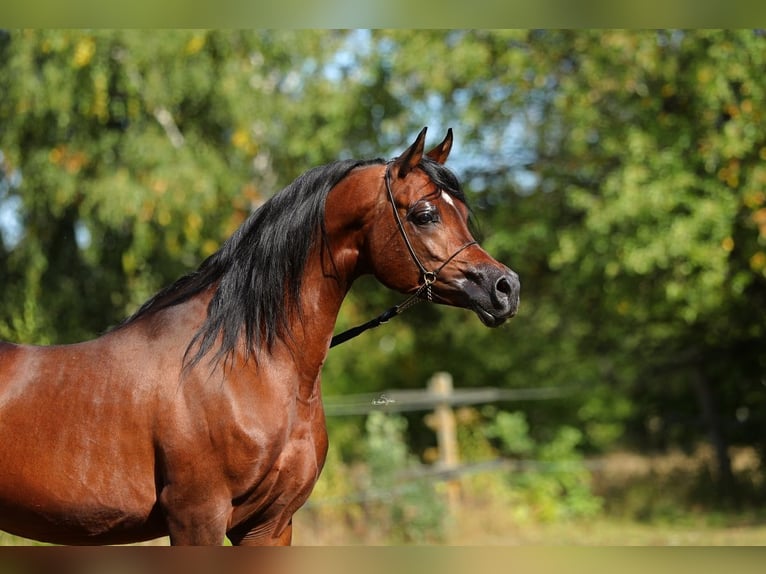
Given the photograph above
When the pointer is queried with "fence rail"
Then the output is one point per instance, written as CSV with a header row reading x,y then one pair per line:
x,y
406,400
440,397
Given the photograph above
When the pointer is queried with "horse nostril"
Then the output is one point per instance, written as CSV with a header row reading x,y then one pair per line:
x,y
507,288
503,286
507,284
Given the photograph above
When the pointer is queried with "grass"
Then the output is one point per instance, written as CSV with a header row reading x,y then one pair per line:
x,y
605,531
482,526
472,529
665,500
660,500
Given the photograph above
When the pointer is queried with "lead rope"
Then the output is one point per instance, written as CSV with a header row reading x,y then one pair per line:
x,y
429,278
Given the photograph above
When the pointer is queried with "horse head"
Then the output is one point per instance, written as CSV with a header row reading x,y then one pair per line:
x,y
421,243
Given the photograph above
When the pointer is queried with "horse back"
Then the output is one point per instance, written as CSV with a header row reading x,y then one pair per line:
x,y
71,427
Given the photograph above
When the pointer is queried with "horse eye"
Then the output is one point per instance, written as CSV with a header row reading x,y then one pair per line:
x,y
425,217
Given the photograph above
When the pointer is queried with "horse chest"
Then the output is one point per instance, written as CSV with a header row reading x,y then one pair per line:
x,y
281,463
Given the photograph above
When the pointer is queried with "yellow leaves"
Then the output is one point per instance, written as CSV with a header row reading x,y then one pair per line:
x,y
240,138
731,110
209,247
129,262
759,218
727,244
159,186
56,154
754,199
619,40
83,52
100,105
147,211
195,44
758,262
172,245
243,141
193,226
237,218
163,216
729,174
71,161
705,75
194,222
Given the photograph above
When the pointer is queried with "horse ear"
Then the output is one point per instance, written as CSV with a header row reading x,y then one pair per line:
x,y
439,153
406,162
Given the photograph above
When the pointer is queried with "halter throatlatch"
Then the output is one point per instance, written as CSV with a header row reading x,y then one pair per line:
x,y
428,278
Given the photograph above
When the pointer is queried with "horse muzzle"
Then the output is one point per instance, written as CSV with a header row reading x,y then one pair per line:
x,y
493,293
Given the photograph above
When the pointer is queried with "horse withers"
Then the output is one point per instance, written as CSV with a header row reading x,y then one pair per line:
x,y
200,416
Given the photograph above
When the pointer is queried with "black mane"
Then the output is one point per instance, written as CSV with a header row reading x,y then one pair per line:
x,y
443,178
259,268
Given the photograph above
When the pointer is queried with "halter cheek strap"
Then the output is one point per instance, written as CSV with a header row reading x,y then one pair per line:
x,y
428,277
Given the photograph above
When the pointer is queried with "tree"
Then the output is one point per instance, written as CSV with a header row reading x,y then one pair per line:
x,y
620,173
140,152
669,128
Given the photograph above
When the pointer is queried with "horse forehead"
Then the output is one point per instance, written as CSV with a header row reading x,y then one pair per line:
x,y
422,186
417,185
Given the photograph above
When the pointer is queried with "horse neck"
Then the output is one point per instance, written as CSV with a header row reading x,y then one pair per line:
x,y
332,265
339,258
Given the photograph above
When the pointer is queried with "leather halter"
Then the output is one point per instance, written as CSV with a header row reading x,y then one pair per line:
x,y
428,277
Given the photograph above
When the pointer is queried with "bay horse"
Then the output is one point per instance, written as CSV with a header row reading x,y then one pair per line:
x,y
200,416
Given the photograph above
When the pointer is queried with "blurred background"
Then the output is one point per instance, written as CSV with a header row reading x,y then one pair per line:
x,y
621,173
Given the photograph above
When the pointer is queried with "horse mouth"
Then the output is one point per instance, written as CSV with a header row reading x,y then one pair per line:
x,y
491,319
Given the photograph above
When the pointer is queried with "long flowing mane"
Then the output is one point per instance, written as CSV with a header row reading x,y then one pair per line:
x,y
258,269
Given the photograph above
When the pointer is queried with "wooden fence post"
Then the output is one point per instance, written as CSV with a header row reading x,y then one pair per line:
x,y
443,422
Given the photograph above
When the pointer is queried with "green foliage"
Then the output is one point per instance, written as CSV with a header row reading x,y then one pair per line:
x,y
551,484
386,497
621,173
679,488
379,495
413,511
139,153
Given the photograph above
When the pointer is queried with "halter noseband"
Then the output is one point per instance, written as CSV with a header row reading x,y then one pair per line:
x,y
428,277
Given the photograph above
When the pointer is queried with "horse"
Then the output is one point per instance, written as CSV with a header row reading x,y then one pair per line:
x,y
200,416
